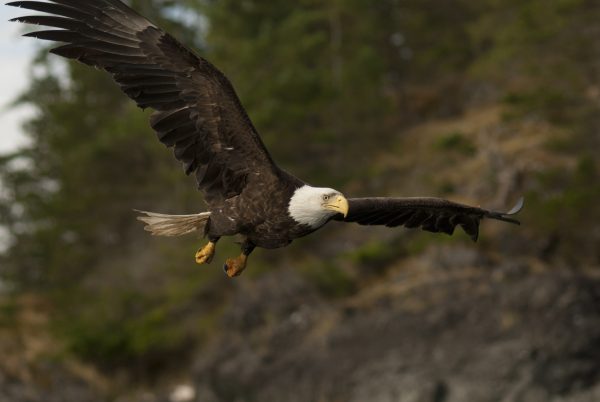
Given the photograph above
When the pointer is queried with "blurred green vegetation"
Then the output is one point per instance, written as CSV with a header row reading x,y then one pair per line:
x,y
456,141
8,312
565,205
335,83
329,278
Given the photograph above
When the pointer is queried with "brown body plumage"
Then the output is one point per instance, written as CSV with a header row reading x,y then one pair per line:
x,y
198,114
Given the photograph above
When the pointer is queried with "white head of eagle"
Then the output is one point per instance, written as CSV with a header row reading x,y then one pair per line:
x,y
314,206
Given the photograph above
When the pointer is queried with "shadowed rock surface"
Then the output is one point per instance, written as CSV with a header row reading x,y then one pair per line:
x,y
513,333
450,325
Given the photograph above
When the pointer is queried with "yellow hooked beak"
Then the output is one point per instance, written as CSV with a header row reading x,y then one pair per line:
x,y
338,204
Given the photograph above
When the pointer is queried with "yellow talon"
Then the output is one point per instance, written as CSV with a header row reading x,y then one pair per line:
x,y
235,266
206,253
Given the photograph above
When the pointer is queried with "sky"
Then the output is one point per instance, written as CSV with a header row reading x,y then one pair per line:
x,y
15,55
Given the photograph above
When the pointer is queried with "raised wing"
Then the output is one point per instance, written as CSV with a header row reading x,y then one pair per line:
x,y
430,214
197,110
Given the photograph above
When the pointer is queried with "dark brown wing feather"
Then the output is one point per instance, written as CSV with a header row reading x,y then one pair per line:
x,y
430,214
197,110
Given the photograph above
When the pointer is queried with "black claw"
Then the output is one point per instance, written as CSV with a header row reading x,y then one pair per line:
x,y
225,268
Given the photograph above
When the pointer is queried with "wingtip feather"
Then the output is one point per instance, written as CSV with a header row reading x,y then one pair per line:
x,y
518,207
504,216
18,4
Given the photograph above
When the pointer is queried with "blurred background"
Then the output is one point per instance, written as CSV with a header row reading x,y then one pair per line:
x,y
480,102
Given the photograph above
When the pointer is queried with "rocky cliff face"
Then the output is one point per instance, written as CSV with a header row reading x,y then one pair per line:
x,y
435,330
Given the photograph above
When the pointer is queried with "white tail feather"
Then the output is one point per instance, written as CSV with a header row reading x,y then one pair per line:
x,y
173,225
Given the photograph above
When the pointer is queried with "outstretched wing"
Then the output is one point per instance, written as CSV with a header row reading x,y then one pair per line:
x,y
431,214
197,110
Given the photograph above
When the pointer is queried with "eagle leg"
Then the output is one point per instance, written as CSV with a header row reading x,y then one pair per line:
x,y
206,253
235,266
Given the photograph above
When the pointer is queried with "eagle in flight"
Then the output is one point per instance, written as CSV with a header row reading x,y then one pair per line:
x,y
198,114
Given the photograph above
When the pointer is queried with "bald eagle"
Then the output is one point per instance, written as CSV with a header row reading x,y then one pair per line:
x,y
198,114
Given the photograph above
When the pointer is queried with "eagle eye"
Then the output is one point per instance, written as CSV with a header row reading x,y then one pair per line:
x,y
325,197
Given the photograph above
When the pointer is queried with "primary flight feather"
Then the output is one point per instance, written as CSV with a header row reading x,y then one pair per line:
x,y
198,114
